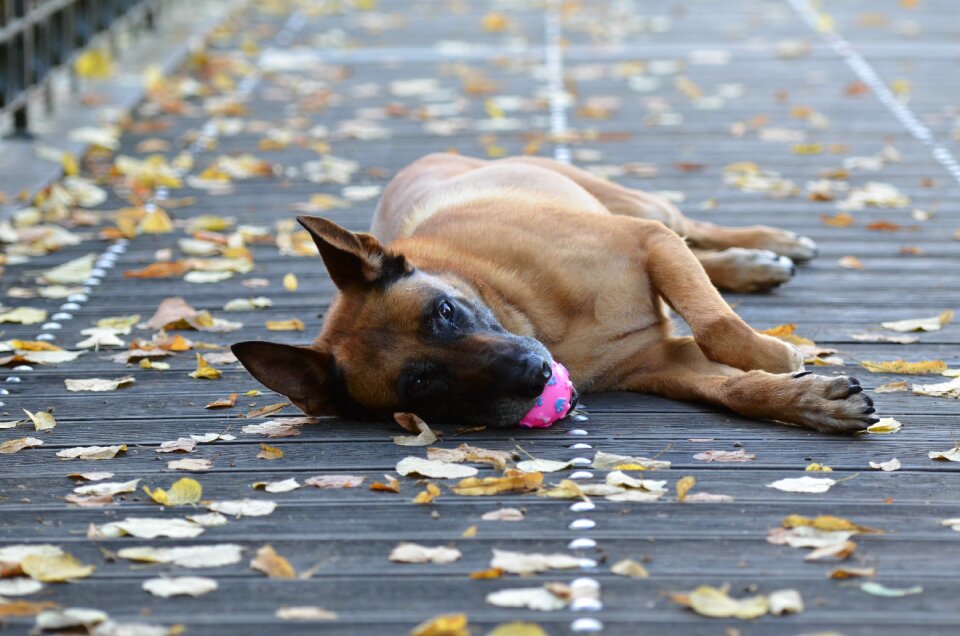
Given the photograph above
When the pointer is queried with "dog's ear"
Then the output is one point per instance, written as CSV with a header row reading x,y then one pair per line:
x,y
353,259
300,373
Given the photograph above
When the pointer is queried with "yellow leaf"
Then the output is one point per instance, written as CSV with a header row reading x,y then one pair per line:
x,y
443,625
156,222
94,64
780,330
42,421
204,370
843,219
293,324
807,149
290,282
827,523
55,569
70,166
818,468
512,481
684,484
24,315
714,602
495,22
428,495
902,366
470,532
119,323
33,345
183,492
269,452
272,564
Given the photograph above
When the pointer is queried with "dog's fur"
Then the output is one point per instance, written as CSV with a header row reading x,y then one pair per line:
x,y
477,272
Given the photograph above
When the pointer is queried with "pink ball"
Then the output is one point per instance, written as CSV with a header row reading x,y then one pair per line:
x,y
554,403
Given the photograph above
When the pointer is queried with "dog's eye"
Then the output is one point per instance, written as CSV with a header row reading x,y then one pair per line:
x,y
445,310
419,385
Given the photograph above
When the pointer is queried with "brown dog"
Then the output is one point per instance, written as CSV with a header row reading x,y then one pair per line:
x,y
478,272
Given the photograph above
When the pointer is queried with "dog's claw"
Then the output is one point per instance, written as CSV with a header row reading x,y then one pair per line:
x,y
800,374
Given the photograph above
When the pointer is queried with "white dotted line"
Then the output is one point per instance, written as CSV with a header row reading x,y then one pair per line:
x,y
869,76
585,590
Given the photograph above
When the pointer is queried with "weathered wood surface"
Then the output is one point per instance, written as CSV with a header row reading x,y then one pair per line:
x,y
344,536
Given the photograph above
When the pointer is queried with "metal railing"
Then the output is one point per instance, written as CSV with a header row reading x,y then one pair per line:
x,y
39,36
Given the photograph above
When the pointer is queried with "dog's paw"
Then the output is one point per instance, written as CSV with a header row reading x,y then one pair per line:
x,y
836,405
785,243
742,270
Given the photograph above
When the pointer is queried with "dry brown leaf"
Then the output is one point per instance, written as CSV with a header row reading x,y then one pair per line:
x,y
415,553
334,481
740,455
511,481
14,445
92,452
223,403
272,564
424,435
531,563
934,323
504,514
54,568
467,453
631,568
427,496
269,452
391,485
190,464
98,384
433,469
849,573
892,387
902,366
443,625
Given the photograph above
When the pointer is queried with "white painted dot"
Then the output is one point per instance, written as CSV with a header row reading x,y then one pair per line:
x,y
14,379
70,306
97,273
581,474
62,315
583,506
23,367
93,282
580,417
4,392
45,336
586,625
77,298
582,543
580,461
588,563
586,605
577,431
580,446
51,326
582,524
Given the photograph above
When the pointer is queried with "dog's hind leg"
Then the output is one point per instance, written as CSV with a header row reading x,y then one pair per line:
x,y
738,269
652,207
678,369
677,276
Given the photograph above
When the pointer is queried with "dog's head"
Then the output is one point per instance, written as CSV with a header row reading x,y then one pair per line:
x,y
400,339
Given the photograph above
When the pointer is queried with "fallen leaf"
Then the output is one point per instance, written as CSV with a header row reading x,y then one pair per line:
x,y
42,421
334,481
391,485
204,370
785,602
443,625
427,496
950,523
803,484
827,523
150,528
20,608
839,550
850,262
566,489
79,617
467,453
24,315
269,452
542,599
305,613
179,445
952,455
511,481
208,520
849,573
415,553
609,461
72,272
92,452
14,445
190,464
902,366
270,408
684,484
290,282
531,563
817,468
54,568
183,492
715,603
425,436
949,389
198,556
878,589
19,586
243,507
631,568
293,324
892,387
285,485
934,323
272,564
107,488
98,384
518,629
504,514
740,455
877,337
542,466
888,466
433,469
885,426
165,587
223,403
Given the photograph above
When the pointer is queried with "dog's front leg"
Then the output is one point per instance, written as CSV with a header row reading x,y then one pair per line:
x,y
678,369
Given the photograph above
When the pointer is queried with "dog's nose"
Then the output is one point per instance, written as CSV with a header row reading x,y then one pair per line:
x,y
531,374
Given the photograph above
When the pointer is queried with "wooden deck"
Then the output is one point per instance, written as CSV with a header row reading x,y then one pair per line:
x,y
685,86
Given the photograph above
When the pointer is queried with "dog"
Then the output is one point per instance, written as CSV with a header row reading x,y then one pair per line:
x,y
477,274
